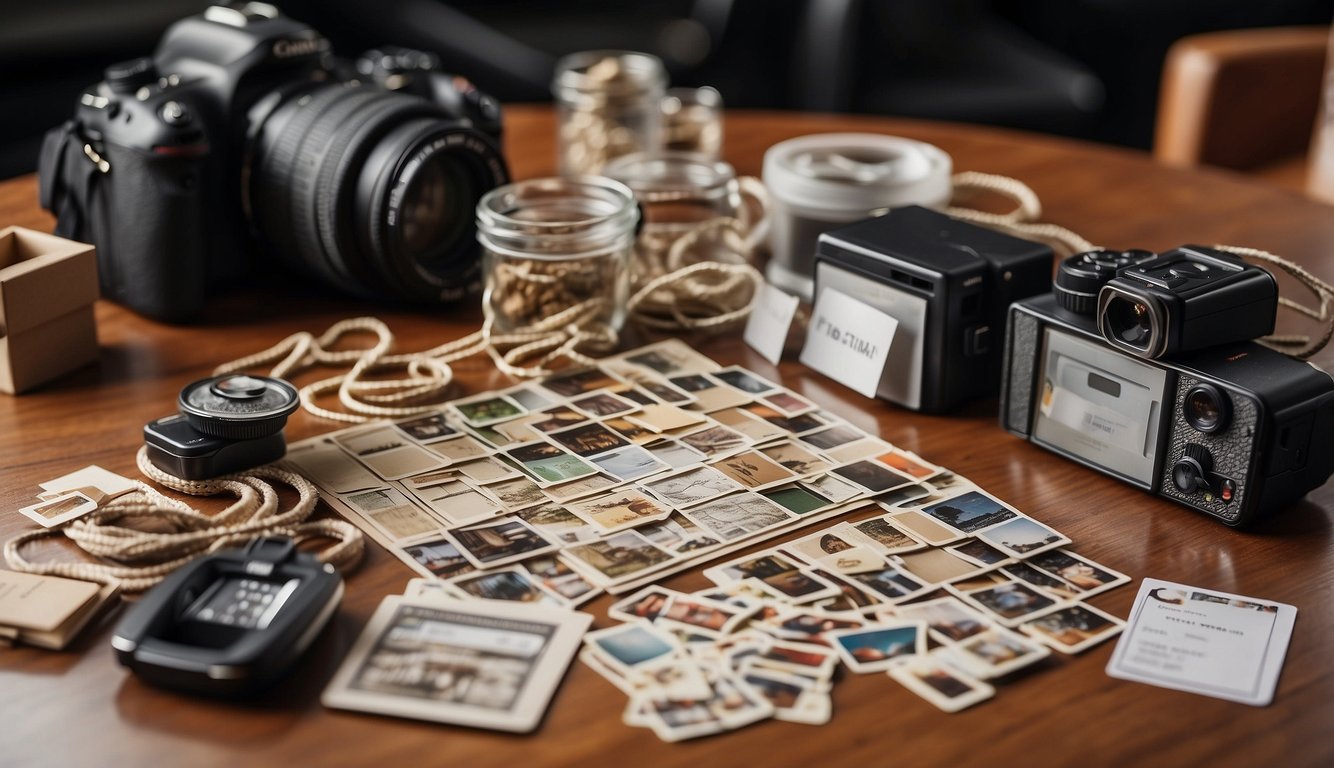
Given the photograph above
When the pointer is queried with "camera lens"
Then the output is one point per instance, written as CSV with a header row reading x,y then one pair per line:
x,y
1206,408
1130,320
371,191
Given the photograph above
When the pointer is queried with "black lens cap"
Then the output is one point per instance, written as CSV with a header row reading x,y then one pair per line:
x,y
1080,277
238,406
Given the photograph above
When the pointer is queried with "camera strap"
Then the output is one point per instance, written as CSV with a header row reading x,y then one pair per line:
x,y
1299,346
139,558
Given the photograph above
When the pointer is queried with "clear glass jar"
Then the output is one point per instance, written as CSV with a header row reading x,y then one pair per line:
x,y
608,104
685,195
552,244
692,121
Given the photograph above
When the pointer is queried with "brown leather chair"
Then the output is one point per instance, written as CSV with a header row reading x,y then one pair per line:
x,y
1249,100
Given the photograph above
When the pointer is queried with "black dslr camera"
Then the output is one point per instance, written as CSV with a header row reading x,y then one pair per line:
x,y
1234,430
242,139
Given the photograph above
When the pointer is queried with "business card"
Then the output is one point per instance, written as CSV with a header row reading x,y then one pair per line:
x,y
1203,641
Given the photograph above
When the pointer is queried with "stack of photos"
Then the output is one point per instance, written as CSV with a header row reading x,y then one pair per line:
x,y
612,478
946,590
605,478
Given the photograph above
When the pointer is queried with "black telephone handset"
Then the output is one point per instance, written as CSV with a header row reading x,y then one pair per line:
x,y
231,622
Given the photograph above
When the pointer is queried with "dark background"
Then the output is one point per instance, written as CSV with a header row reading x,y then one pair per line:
x,y
1083,68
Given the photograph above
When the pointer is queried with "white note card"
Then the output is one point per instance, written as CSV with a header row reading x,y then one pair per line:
x,y
770,318
1206,642
848,341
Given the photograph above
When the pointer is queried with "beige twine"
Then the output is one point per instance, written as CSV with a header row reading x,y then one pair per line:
x,y
139,559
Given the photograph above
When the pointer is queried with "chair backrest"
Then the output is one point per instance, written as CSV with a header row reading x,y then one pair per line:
x,y
1320,178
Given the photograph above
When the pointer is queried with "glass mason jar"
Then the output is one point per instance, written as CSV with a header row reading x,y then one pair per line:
x,y
552,244
608,104
692,121
686,197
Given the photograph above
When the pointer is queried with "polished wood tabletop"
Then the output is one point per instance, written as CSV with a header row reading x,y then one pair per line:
x,y
79,707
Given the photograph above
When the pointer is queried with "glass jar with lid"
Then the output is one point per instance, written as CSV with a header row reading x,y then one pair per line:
x,y
608,104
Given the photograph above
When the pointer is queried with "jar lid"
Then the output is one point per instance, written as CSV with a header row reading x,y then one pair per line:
x,y
857,172
609,74
654,175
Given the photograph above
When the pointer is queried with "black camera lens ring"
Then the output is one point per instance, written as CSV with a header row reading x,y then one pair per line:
x,y
1114,330
382,193
1217,413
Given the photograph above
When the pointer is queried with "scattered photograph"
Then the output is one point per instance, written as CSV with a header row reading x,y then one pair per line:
x,y
876,648
557,418
576,489
1023,537
510,584
628,463
889,584
936,680
500,542
1057,588
667,393
874,477
692,486
1088,577
926,528
833,487
558,523
1074,628
393,513
389,453
575,383
457,502
858,450
616,511
788,403
428,428
664,418
947,618
329,466
970,512
588,439
674,454
518,493
487,470
548,463
796,459
997,652
886,536
710,395
796,498
558,579
630,431
744,380
937,566
758,430
644,605
671,357
739,515
529,398
979,552
440,557
678,534
909,464
833,437
701,613
459,449
817,546
796,425
603,404
488,410
1013,602
620,555
753,470
716,441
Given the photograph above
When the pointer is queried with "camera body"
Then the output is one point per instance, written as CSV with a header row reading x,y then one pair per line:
x,y
948,284
242,143
1236,431
1186,299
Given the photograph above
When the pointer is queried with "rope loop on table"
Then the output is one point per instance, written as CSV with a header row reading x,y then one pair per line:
x,y
139,559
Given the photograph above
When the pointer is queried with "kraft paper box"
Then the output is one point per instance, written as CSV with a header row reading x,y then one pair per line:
x,y
47,288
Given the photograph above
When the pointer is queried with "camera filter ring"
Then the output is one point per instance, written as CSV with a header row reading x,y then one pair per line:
x,y
1080,277
238,406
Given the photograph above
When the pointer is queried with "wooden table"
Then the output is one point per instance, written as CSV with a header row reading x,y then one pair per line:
x,y
80,708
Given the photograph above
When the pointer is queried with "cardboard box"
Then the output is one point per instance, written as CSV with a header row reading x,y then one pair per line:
x,y
47,288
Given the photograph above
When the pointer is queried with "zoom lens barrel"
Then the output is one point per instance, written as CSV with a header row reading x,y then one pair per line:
x,y
1131,321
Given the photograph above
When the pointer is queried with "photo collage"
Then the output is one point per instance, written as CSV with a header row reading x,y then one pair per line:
x,y
612,478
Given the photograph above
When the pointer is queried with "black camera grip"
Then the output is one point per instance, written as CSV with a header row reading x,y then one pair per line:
x,y
151,256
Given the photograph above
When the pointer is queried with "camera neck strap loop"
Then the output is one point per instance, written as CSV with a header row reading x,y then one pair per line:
x,y
138,558
1022,221
1297,345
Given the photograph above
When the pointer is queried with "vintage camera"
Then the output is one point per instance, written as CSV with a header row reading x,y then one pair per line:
x,y
223,424
1186,299
1237,431
242,143
948,284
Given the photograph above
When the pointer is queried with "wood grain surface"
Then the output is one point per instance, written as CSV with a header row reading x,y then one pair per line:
x,y
79,707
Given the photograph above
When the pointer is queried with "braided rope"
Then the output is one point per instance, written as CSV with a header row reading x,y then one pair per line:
x,y
1022,220
138,559
1306,346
